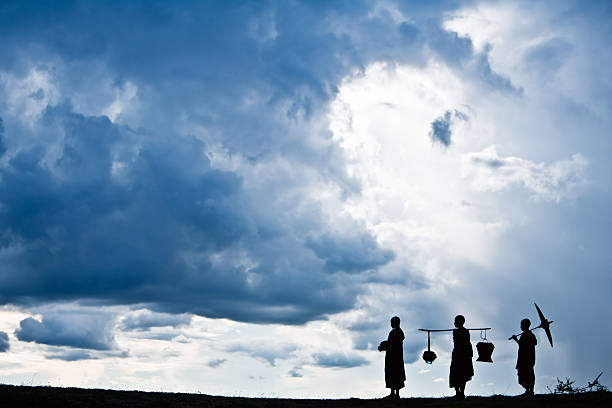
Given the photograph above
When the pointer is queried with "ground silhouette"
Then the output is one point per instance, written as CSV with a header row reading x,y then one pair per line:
x,y
33,397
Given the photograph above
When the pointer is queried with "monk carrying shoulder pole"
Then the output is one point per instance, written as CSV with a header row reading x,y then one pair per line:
x,y
485,348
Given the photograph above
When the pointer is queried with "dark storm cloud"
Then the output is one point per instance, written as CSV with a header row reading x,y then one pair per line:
x,y
169,230
145,320
338,360
79,329
4,342
138,213
349,254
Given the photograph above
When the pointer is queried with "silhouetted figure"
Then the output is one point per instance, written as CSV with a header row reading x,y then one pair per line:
x,y
394,358
526,357
461,368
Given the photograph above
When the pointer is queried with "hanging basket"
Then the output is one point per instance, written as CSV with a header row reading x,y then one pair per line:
x,y
485,350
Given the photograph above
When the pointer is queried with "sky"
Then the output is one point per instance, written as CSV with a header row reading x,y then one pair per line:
x,y
234,198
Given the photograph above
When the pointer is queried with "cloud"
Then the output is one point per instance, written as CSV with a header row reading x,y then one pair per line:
x,y
441,127
295,372
142,191
144,320
200,178
265,351
2,147
4,342
119,217
71,355
553,182
124,218
164,336
339,360
78,329
549,55
349,253
216,363
57,353
495,80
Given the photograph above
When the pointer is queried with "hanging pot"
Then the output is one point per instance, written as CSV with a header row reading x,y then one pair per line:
x,y
485,350
429,356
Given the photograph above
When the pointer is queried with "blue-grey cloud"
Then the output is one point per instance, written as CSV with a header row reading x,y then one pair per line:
x,y
78,329
150,233
2,147
441,131
71,355
4,342
162,336
492,78
295,372
339,360
449,45
349,254
267,351
216,362
78,354
143,320
548,56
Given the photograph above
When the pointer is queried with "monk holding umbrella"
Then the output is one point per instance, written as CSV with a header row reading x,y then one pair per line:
x,y
526,352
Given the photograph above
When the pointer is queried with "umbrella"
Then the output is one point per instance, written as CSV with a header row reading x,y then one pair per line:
x,y
544,324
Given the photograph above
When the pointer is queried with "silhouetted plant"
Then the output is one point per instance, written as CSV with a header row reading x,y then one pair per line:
x,y
596,386
568,387
564,387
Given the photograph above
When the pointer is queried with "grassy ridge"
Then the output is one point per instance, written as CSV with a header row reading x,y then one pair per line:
x,y
31,397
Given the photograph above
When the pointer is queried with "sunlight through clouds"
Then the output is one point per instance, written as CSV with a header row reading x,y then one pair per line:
x,y
412,193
